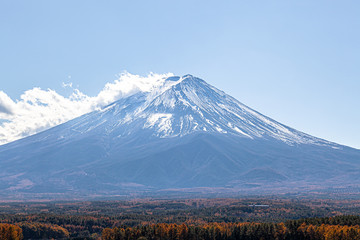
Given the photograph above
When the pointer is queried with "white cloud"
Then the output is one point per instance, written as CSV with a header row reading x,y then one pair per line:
x,y
6,104
38,109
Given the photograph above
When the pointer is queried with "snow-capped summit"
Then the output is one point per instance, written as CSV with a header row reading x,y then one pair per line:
x,y
179,132
185,105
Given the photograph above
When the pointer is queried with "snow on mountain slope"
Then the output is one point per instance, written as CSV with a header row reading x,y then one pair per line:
x,y
184,105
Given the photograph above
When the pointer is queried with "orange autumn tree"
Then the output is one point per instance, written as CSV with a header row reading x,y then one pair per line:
x,y
10,232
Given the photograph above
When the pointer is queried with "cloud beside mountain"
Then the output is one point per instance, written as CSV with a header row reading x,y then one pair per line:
x,y
39,109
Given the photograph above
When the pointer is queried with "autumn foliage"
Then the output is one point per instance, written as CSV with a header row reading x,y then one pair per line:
x,y
232,231
281,219
329,232
43,231
10,232
304,229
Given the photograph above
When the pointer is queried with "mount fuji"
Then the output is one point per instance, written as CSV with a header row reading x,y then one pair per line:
x,y
183,135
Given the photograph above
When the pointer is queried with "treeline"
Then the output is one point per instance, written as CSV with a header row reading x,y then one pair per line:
x,y
349,220
339,228
136,212
233,231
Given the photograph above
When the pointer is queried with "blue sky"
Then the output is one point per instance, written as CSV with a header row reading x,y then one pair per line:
x,y
294,61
